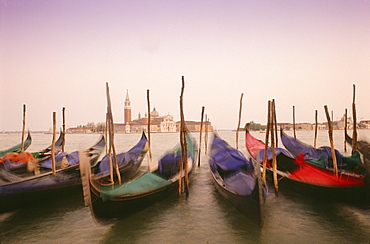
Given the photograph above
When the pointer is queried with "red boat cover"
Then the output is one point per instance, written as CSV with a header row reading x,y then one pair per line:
x,y
23,157
253,144
311,174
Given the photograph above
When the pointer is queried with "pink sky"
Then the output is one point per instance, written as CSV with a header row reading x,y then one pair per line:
x,y
305,54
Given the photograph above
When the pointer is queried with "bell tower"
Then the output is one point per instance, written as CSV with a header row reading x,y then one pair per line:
x,y
127,109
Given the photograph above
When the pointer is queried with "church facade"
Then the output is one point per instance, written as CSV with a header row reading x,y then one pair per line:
x,y
158,124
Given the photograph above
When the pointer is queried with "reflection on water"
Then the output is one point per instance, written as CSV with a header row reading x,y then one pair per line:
x,y
204,217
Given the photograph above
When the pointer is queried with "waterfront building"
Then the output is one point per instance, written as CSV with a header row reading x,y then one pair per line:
x,y
158,124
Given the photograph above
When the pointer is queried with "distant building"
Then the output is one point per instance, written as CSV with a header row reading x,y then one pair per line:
x,y
303,126
320,126
158,124
194,126
81,129
364,124
339,125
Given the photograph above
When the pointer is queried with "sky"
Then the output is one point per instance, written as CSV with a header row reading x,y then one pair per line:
x,y
306,54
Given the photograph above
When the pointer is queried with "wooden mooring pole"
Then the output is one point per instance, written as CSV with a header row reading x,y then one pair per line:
x,y
53,166
316,123
345,129
265,155
354,134
23,126
274,161
184,146
330,131
63,128
200,135
149,140
237,128
295,137
112,148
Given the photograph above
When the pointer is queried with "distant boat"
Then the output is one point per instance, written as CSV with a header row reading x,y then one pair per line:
x,y
237,179
120,200
308,179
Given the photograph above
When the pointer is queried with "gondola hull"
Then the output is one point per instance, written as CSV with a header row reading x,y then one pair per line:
x,y
356,195
17,190
18,195
125,206
250,206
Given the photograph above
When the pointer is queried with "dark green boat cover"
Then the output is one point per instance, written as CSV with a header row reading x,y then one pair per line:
x,y
145,183
350,162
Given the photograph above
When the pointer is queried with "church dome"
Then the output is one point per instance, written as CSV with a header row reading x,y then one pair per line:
x,y
154,113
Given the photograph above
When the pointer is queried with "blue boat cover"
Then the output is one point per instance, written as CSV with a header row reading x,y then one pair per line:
x,y
278,151
169,164
72,159
129,157
296,147
10,165
225,157
240,182
293,145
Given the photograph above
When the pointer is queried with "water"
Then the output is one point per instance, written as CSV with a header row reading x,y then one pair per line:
x,y
204,217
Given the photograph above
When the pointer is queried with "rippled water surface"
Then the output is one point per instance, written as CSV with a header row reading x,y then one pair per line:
x,y
203,217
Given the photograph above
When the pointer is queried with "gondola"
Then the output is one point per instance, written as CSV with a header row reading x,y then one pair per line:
x,y
19,188
18,147
120,200
295,173
237,179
